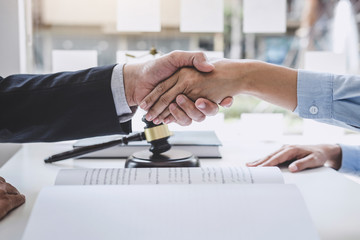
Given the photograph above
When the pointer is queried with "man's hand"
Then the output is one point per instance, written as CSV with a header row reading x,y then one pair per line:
x,y
217,86
141,78
303,157
10,198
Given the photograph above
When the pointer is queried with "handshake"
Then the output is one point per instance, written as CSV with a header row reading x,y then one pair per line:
x,y
184,86
177,87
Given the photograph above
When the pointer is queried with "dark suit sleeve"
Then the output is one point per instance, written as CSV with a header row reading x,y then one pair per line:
x,y
60,106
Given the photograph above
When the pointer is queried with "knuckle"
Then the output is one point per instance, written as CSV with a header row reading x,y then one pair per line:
x,y
316,159
164,100
200,54
175,52
290,147
160,88
285,146
183,104
174,55
148,100
300,165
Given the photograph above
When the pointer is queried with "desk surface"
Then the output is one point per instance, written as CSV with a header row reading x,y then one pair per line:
x,y
333,200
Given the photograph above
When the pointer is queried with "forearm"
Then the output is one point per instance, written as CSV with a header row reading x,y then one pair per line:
x,y
272,83
59,106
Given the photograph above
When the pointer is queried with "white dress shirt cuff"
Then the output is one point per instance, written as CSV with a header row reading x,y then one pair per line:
x,y
123,110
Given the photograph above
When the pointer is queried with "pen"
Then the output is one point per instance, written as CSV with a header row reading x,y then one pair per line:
x,y
92,148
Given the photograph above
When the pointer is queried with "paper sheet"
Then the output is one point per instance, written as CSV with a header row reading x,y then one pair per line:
x,y
176,212
141,176
202,16
264,16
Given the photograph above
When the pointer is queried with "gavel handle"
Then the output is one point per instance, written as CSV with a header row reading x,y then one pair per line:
x,y
96,147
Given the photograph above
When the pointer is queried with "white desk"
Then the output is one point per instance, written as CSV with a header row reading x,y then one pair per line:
x,y
333,200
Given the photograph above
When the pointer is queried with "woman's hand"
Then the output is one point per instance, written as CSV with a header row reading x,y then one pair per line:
x,y
303,157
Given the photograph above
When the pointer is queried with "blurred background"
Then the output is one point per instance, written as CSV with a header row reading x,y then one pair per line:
x,y
58,35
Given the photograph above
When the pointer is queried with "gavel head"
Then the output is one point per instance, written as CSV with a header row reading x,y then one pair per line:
x,y
157,136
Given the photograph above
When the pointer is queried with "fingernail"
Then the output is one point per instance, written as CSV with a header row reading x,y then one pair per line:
x,y
293,168
172,107
156,121
201,105
148,117
142,105
181,99
166,121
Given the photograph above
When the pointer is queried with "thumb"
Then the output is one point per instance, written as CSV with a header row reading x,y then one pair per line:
x,y
201,63
191,59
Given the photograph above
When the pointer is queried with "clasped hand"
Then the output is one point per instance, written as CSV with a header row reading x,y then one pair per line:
x,y
187,87
151,79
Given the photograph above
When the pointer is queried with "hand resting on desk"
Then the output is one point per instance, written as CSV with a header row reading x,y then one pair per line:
x,y
10,198
303,157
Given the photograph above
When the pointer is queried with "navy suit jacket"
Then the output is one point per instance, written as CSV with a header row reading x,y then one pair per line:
x,y
59,106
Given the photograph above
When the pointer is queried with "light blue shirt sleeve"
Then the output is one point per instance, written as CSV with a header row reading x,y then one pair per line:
x,y
329,98
350,159
123,110
332,99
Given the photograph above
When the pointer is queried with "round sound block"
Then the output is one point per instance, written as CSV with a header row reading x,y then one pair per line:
x,y
171,158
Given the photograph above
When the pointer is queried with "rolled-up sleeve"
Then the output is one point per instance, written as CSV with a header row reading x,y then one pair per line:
x,y
329,98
